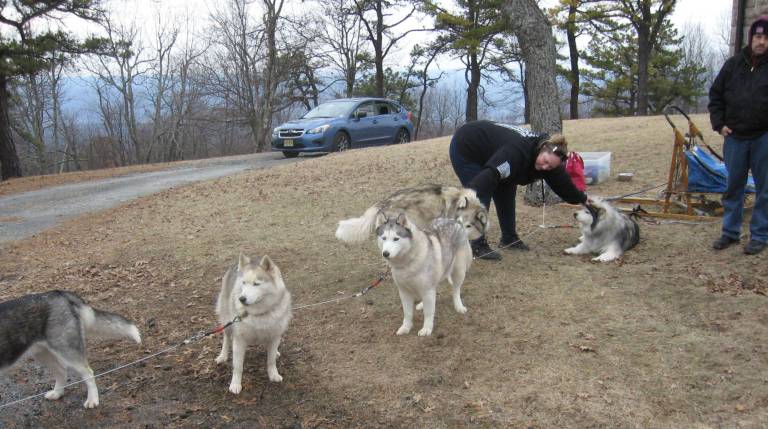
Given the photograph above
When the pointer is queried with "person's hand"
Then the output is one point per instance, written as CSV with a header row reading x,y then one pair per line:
x,y
725,131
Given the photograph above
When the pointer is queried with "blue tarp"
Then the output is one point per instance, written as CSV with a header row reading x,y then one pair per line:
x,y
707,174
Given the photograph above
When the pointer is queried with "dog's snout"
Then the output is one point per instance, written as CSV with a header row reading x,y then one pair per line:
x,y
385,253
242,299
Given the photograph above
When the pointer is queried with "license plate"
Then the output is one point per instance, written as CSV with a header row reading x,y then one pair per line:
x,y
287,143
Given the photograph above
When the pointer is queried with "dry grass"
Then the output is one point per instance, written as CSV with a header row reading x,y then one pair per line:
x,y
673,336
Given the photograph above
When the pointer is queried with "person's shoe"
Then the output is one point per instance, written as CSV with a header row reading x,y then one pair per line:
x,y
481,250
754,247
514,244
724,242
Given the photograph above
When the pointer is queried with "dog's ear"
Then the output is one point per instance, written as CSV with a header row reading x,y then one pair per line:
x,y
482,216
402,220
463,203
269,266
381,219
242,261
597,214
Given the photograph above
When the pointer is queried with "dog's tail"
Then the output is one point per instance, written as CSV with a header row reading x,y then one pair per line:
x,y
357,229
104,324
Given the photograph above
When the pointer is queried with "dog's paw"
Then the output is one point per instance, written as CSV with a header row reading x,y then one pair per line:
x,y
235,388
54,395
420,306
425,332
275,377
91,403
220,359
461,310
572,250
403,330
605,257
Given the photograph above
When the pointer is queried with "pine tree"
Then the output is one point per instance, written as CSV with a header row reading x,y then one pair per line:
x,y
477,34
613,79
26,49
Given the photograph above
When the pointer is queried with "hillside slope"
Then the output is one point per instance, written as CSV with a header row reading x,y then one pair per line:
x,y
674,335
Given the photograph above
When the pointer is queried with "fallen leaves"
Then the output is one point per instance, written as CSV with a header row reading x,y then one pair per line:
x,y
735,284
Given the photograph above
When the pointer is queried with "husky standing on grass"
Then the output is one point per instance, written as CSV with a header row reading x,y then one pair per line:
x,y
604,230
422,204
52,328
256,293
420,260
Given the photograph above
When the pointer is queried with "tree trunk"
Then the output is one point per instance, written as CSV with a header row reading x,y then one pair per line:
x,y
526,96
350,81
574,54
473,86
643,57
378,46
271,17
9,159
538,47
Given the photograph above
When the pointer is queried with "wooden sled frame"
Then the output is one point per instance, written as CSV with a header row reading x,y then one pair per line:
x,y
676,202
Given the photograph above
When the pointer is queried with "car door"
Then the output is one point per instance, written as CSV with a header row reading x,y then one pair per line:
x,y
386,122
361,125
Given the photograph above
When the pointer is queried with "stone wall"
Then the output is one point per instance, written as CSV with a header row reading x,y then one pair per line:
x,y
752,9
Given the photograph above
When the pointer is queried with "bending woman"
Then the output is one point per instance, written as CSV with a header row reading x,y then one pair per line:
x,y
494,158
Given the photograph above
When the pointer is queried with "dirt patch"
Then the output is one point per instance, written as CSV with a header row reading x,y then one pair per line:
x,y
550,340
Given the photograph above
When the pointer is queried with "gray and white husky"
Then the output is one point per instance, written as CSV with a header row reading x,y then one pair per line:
x,y
605,231
420,260
255,292
52,328
422,204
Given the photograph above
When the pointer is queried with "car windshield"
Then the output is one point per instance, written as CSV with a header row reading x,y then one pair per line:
x,y
330,110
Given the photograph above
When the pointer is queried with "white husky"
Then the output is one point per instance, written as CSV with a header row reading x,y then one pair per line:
x,y
422,204
256,293
605,231
420,260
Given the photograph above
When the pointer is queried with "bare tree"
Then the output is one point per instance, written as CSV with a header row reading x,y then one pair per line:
x,y
113,142
185,93
374,15
120,69
160,76
30,122
233,63
271,72
344,40
424,57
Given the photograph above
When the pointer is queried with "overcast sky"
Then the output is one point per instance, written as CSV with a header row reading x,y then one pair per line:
x,y
711,14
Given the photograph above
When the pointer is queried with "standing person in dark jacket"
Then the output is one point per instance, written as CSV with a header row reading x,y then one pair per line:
x,y
493,159
738,110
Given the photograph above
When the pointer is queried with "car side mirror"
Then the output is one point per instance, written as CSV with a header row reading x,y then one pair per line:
x,y
360,115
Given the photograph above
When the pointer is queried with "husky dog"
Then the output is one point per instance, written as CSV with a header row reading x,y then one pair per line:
x,y
255,292
52,328
420,260
422,205
604,230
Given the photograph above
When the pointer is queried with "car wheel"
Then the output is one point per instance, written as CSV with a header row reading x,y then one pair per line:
x,y
290,154
341,142
402,136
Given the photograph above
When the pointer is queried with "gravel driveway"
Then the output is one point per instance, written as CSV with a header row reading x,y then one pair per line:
x,y
26,214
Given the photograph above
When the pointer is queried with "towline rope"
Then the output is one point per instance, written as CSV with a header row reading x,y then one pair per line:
x,y
193,339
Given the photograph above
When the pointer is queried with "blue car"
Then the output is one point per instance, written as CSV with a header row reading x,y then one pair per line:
x,y
343,124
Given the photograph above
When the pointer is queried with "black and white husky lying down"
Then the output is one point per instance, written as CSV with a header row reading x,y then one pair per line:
x,y
604,231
